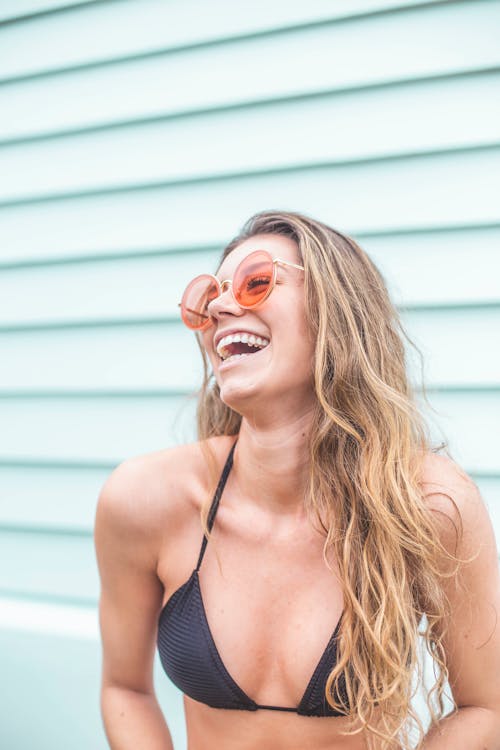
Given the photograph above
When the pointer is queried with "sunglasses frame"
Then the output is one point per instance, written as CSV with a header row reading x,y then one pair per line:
x,y
229,282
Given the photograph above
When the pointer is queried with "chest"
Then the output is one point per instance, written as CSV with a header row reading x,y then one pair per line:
x,y
271,606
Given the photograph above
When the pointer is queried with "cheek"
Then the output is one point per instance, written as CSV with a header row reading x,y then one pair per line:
x,y
293,345
297,326
301,344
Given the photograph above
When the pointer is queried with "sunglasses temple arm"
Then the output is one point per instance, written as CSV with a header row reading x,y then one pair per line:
x,y
287,263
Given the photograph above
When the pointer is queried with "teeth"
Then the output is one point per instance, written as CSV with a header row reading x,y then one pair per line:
x,y
236,356
245,338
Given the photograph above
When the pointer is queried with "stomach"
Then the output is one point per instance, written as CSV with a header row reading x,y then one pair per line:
x,y
229,729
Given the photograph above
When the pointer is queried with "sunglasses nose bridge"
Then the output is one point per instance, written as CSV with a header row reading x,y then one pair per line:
x,y
217,301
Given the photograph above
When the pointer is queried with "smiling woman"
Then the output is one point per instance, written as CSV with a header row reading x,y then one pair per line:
x,y
331,526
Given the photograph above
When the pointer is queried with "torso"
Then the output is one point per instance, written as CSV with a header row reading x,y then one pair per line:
x,y
272,606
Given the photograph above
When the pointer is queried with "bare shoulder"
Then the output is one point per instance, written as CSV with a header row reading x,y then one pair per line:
x,y
454,498
153,492
442,472
143,489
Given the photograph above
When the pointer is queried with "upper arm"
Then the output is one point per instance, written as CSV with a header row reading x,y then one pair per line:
x,y
131,593
471,637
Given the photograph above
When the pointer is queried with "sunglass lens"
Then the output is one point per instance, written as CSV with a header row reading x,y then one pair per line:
x,y
199,293
253,278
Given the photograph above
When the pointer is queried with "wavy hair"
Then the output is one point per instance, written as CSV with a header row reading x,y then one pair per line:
x,y
367,444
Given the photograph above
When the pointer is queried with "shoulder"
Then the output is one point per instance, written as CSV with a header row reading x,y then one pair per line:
x,y
155,491
440,472
441,476
454,499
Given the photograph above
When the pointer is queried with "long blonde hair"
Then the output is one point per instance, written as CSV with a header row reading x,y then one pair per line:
x,y
367,444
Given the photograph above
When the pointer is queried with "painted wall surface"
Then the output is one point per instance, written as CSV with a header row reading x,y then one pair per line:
x,y
136,136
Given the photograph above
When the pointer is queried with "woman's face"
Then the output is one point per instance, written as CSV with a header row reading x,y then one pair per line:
x,y
278,376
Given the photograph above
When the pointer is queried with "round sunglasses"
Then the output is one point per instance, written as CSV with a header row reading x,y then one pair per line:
x,y
252,283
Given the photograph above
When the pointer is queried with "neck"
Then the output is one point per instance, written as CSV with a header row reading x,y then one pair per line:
x,y
271,465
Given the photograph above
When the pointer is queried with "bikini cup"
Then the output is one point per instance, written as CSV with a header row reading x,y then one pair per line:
x,y
190,657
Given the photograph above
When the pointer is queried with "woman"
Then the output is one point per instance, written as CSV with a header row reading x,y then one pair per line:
x,y
333,526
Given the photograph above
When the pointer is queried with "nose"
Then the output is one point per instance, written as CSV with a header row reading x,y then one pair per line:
x,y
224,303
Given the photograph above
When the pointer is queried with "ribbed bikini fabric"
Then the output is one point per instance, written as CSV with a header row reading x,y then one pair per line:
x,y
190,658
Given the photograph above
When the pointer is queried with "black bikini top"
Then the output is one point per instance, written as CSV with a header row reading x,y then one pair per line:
x,y
190,658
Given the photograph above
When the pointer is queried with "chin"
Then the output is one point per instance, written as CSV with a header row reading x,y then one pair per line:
x,y
235,395
240,393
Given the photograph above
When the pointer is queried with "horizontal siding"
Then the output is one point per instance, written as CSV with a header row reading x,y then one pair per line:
x,y
440,190
421,269
93,34
444,334
126,358
65,567
436,269
15,11
420,43
465,417
104,428
412,118
110,359
138,288
110,428
46,497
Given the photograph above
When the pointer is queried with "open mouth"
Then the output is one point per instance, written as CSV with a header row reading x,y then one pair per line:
x,y
240,345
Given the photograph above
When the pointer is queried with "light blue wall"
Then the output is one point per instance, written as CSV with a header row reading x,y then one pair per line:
x,y
135,138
